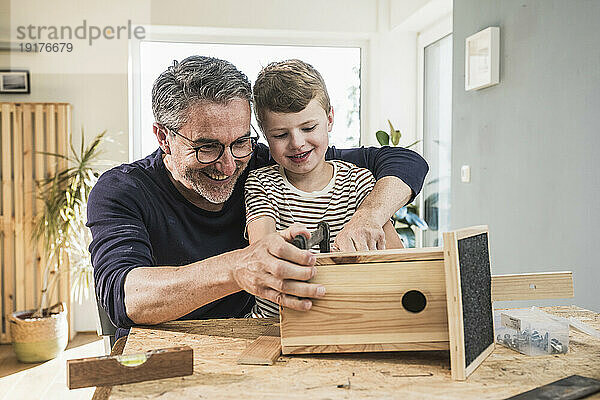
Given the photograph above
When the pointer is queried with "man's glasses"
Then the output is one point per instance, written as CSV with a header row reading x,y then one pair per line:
x,y
211,152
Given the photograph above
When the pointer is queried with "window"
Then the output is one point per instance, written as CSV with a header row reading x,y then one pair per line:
x,y
340,67
437,127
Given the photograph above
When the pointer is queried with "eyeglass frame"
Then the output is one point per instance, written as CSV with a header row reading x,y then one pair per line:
x,y
253,141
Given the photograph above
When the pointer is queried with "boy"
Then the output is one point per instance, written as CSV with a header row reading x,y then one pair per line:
x,y
294,112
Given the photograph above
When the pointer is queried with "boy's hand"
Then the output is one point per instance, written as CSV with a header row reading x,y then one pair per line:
x,y
360,234
274,269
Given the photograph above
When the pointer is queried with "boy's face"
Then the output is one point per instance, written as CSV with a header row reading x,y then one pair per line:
x,y
298,141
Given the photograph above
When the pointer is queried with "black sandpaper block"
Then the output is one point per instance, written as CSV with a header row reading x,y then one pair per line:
x,y
570,388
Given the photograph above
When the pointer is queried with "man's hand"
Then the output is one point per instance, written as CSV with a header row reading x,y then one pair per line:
x,y
365,230
360,234
276,270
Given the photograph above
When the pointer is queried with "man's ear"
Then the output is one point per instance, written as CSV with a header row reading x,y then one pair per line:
x,y
330,119
161,135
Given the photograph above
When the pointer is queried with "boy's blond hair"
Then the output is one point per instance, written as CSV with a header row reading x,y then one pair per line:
x,y
287,87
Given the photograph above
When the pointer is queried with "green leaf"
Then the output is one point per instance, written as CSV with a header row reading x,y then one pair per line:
x,y
383,138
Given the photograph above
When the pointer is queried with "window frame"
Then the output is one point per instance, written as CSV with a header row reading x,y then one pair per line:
x,y
430,35
238,36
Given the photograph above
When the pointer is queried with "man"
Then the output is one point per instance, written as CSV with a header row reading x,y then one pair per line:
x,y
168,230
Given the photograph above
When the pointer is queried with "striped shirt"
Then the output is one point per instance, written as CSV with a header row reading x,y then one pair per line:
x,y
268,193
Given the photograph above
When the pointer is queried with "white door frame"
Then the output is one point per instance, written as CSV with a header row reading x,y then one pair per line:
x,y
435,32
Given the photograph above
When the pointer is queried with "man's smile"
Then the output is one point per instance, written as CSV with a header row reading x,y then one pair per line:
x,y
217,176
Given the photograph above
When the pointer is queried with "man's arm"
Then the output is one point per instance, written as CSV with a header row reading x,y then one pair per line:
x,y
134,291
270,268
400,174
402,163
365,230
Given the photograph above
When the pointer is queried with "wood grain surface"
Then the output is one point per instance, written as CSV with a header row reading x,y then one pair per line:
x,y
217,345
531,286
363,306
263,351
408,254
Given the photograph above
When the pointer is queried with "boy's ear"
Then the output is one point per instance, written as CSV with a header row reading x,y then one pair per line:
x,y
161,135
330,119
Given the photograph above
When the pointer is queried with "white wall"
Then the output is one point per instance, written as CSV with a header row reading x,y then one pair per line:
x,y
532,141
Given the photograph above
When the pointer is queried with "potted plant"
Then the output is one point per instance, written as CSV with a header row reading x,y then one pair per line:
x,y
41,334
408,216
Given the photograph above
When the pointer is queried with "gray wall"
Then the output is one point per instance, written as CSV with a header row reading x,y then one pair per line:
x,y
533,141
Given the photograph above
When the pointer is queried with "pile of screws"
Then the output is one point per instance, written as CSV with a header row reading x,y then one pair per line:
x,y
522,339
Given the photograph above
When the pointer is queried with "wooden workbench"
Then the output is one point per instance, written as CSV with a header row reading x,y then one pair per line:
x,y
411,375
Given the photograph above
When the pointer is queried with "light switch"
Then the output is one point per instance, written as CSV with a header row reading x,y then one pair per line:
x,y
465,174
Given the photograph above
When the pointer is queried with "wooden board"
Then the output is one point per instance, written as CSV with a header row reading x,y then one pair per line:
x,y
8,250
18,209
263,351
364,311
531,286
469,303
28,202
359,257
217,345
39,174
111,370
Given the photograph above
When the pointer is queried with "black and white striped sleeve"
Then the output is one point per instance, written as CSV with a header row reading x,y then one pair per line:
x,y
258,203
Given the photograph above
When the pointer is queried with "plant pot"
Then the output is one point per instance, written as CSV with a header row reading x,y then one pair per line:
x,y
39,339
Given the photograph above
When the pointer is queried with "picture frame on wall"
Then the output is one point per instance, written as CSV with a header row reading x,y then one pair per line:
x,y
482,59
14,81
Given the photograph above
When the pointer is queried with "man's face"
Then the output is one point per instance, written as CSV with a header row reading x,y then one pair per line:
x,y
208,123
298,141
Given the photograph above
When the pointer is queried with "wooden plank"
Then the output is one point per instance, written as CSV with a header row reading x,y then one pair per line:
x,y
262,351
7,213
62,132
28,202
471,231
38,141
364,306
20,247
408,254
113,370
4,123
454,307
66,284
532,286
480,358
50,141
367,348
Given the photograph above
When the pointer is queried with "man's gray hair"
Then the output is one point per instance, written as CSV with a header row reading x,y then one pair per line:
x,y
196,78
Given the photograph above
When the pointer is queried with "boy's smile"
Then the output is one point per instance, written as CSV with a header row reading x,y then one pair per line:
x,y
300,157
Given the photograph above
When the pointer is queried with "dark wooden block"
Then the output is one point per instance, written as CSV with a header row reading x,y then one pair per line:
x,y
110,370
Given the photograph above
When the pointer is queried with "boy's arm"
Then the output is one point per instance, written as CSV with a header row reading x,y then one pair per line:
x,y
259,228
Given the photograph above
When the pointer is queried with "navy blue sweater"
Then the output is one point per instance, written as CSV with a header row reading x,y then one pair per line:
x,y
139,219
